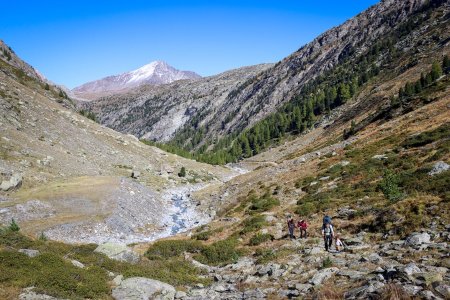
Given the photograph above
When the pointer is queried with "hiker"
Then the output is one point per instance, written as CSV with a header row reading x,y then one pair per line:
x,y
291,227
328,233
302,225
338,243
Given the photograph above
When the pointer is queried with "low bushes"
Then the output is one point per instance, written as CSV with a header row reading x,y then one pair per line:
x,y
218,253
260,238
264,203
171,248
253,223
52,274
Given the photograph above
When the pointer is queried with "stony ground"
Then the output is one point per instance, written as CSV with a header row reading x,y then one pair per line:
x,y
418,264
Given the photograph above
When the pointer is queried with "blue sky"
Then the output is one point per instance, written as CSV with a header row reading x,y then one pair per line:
x,y
72,42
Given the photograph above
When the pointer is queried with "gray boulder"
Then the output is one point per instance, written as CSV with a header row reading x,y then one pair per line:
x,y
443,290
315,251
254,294
411,269
139,288
119,252
428,295
303,287
438,168
29,294
412,289
380,157
30,252
77,264
270,269
352,274
417,239
180,295
14,182
322,275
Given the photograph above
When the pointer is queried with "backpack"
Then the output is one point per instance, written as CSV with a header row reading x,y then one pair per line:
x,y
326,220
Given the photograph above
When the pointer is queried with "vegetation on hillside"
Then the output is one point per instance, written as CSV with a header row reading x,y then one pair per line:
x,y
52,272
316,99
88,114
391,181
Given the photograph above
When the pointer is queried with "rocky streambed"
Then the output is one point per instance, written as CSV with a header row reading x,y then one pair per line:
x,y
126,212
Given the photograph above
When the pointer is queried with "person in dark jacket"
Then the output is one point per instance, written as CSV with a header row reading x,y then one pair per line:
x,y
291,227
328,234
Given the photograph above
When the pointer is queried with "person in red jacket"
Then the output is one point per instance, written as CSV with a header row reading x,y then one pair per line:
x,y
302,225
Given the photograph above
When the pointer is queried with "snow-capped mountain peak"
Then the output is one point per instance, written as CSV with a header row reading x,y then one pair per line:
x,y
156,72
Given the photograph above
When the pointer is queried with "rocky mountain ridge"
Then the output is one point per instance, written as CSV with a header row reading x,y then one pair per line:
x,y
157,112
263,93
154,73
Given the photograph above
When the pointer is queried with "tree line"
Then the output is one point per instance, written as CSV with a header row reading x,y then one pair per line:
x,y
317,98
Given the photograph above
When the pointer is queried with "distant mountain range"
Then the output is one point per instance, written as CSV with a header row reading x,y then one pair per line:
x,y
155,73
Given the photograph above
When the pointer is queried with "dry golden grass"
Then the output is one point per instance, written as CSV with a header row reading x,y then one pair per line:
x,y
394,292
9,292
329,291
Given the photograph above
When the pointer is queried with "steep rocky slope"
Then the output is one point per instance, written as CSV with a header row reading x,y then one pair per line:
x,y
156,113
261,94
69,177
154,73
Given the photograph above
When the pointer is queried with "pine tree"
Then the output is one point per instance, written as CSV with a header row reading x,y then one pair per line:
x,y
343,93
436,71
182,172
418,87
309,113
297,119
409,89
246,150
428,79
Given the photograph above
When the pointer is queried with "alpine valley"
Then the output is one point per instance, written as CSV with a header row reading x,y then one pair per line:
x,y
162,184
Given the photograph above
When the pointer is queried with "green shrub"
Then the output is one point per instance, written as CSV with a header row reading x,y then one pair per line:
x,y
260,238
220,253
14,239
305,209
420,181
253,223
389,186
175,271
428,137
264,203
327,263
172,248
53,275
88,114
13,226
42,237
202,236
